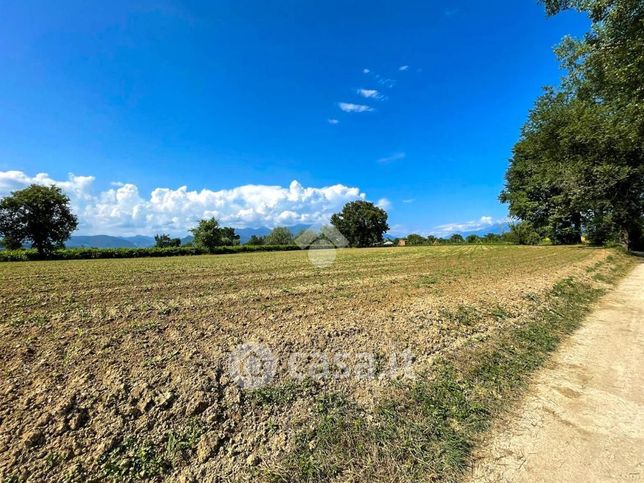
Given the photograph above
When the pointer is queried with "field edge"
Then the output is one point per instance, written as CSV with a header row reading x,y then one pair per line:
x,y
427,430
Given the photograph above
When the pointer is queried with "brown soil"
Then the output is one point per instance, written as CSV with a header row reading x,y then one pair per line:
x,y
117,368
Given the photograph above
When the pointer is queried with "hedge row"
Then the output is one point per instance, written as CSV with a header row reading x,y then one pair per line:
x,y
92,253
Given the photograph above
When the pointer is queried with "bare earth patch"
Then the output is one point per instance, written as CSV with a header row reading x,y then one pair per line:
x,y
117,369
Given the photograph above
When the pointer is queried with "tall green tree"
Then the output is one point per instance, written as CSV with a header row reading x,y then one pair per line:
x,y
362,223
280,235
37,214
207,234
229,237
579,165
165,241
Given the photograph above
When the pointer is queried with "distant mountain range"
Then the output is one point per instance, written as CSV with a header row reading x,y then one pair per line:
x,y
101,241
143,241
497,228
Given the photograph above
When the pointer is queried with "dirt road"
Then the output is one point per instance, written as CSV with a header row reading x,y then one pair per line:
x,y
583,421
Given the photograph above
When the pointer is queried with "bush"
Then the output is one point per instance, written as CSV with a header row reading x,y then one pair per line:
x,y
523,233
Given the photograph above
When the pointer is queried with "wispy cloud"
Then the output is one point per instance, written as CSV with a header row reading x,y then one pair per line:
x,y
384,81
450,12
392,158
349,107
403,68
409,200
370,94
333,121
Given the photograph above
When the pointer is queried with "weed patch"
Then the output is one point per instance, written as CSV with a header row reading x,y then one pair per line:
x,y
140,459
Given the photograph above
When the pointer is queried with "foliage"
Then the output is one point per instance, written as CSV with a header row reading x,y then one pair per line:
x,y
579,165
95,253
9,243
256,240
491,238
523,233
279,235
362,223
139,459
165,241
38,214
208,235
228,237
415,240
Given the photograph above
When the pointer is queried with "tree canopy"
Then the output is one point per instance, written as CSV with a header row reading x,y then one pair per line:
x,y
256,240
165,241
209,235
414,239
280,235
579,164
37,214
362,223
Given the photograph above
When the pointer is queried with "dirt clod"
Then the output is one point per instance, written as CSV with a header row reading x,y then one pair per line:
x,y
208,445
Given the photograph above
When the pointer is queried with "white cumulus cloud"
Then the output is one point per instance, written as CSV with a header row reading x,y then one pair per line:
x,y
124,210
384,203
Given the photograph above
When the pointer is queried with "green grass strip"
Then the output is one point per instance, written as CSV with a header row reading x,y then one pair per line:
x,y
425,430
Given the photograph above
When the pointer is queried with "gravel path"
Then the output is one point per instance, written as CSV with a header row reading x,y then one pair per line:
x,y
583,420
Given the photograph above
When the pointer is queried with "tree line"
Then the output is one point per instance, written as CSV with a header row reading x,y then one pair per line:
x,y
415,239
42,216
578,167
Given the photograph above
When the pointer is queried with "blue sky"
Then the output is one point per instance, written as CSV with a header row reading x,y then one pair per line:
x,y
139,98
